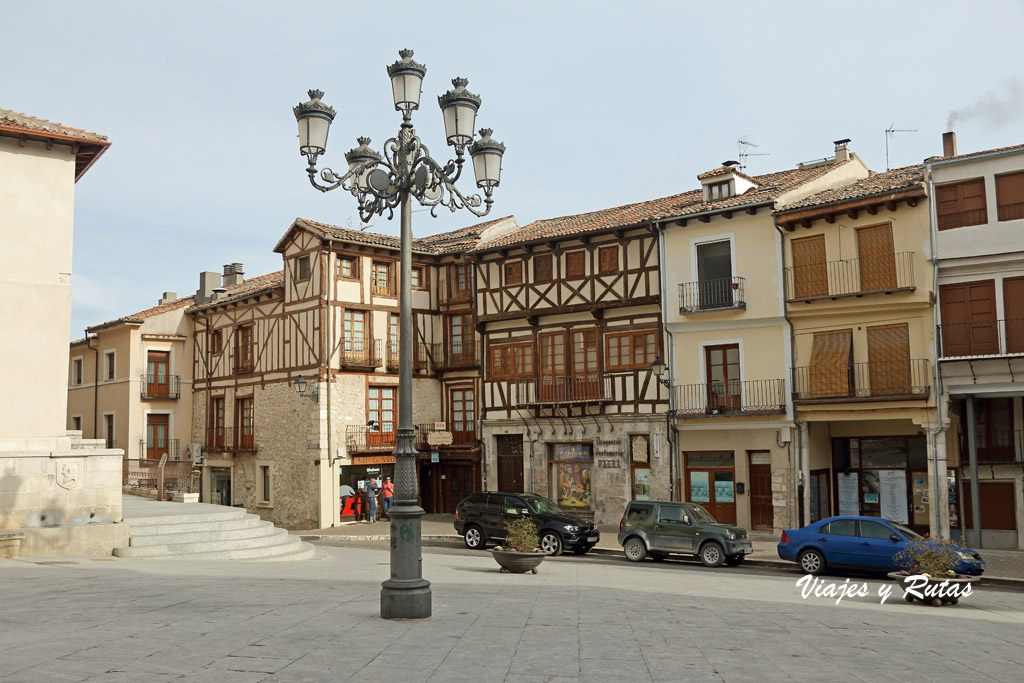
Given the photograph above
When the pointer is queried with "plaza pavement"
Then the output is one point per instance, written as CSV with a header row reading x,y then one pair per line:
x,y
580,619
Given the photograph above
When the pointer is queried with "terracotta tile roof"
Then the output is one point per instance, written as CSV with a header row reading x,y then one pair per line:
x,y
770,186
91,145
245,289
958,157
722,170
907,177
443,243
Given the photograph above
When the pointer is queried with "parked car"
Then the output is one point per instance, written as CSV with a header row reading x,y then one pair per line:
x,y
481,517
660,528
867,543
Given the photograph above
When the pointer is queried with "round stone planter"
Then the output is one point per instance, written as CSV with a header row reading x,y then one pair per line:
x,y
933,582
517,563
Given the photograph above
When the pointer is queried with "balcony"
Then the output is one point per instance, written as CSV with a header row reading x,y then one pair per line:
x,y
454,292
712,295
851,277
995,447
420,357
161,386
465,437
735,398
363,439
245,358
361,351
988,338
227,440
591,387
873,381
146,474
452,357
155,452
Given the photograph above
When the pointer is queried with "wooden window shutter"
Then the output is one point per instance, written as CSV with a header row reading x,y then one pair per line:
x,y
877,259
608,260
830,364
961,204
575,264
514,273
889,359
1010,196
810,272
969,325
542,271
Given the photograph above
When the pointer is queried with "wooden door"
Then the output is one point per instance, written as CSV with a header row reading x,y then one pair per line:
x,y
244,425
810,270
586,376
157,382
1013,312
889,359
462,409
762,512
715,490
216,439
456,484
969,319
460,340
722,364
996,504
553,387
156,435
877,259
510,463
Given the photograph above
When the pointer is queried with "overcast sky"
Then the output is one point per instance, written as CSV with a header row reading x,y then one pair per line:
x,y
599,103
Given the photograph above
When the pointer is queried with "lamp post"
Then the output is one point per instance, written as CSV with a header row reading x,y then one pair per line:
x,y
658,367
380,183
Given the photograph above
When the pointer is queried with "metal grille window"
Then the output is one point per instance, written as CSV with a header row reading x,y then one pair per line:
x,y
542,268
575,264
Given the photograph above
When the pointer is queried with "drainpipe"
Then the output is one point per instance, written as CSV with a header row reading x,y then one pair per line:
x,y
673,450
800,464
95,380
938,482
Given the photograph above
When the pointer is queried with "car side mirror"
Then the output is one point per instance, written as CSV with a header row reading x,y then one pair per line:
x,y
686,520
894,537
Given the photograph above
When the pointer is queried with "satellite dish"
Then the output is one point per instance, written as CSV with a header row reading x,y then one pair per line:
x,y
378,180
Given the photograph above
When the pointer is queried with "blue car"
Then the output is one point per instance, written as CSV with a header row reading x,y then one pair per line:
x,y
867,543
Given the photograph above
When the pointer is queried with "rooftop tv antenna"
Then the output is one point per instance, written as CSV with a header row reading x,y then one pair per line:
x,y
743,146
359,225
888,134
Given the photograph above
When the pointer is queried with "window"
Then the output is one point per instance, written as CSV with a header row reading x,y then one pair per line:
x,y
840,527
216,341
889,359
265,484
514,273
542,268
109,364
722,365
215,439
76,423
512,360
831,364
670,513
638,513
380,409
460,334
302,268
244,359
961,204
810,271
969,326
157,380
108,429
586,378
714,275
463,415
76,371
354,330
380,278
243,424
1010,196
419,278
608,260
346,267
393,328
552,385
629,350
157,426
874,530
877,258
720,190
459,282
575,264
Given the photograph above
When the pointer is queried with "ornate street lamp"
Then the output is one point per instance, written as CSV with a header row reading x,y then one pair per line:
x,y
380,183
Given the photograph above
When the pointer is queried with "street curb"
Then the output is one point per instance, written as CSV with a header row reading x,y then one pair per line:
x,y
771,564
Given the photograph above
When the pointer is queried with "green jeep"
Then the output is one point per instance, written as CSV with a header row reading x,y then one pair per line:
x,y
659,528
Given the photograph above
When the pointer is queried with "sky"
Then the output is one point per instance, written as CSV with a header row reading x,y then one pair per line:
x,y
599,104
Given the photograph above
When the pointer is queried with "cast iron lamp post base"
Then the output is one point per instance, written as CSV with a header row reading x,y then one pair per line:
x,y
405,598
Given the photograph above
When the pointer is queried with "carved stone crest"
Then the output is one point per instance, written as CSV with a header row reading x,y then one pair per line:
x,y
69,475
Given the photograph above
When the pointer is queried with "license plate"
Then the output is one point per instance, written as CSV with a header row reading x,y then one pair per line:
x,y
592,539
747,551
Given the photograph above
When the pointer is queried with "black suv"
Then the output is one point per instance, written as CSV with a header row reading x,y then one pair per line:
x,y
481,517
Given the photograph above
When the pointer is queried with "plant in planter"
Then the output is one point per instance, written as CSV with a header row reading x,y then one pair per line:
x,y
521,552
932,571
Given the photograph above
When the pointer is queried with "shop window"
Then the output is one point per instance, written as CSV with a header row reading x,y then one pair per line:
x,y
571,465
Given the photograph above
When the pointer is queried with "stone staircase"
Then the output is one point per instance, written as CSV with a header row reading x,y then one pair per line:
x,y
198,531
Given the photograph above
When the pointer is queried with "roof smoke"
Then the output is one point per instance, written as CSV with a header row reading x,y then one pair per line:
x,y
991,108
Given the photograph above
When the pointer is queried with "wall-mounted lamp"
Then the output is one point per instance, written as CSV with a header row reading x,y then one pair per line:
x,y
658,368
300,386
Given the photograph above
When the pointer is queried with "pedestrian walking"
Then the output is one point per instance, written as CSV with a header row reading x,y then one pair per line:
x,y
388,493
371,498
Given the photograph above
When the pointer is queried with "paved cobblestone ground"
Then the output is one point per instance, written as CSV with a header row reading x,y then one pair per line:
x,y
590,619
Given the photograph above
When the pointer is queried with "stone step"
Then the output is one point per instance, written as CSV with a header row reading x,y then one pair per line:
x,y
291,549
265,540
186,518
149,530
202,534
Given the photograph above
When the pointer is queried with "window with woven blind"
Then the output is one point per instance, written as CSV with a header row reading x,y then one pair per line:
x,y
877,259
961,204
608,260
542,268
1010,196
889,359
810,273
575,264
831,364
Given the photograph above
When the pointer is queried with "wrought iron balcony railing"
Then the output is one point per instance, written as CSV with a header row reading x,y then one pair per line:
x,y
157,450
361,351
590,387
360,438
228,439
161,386
995,447
145,473
463,433
454,292
982,338
712,295
455,356
750,397
420,357
891,380
851,277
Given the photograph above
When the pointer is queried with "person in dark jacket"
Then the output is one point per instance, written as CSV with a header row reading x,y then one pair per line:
x,y
371,498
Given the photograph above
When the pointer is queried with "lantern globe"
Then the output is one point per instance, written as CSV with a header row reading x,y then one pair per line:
x,y
314,119
487,153
459,107
406,81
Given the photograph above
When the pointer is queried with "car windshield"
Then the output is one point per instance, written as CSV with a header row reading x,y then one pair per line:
x,y
542,505
700,514
909,533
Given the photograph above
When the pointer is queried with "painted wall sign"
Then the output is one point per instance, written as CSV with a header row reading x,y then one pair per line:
x,y
373,459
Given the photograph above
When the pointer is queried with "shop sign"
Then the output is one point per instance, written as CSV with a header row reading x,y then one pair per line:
x,y
710,459
435,456
373,459
572,451
439,438
639,449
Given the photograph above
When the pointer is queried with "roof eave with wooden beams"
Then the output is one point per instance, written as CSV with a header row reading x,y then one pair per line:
x,y
86,151
852,208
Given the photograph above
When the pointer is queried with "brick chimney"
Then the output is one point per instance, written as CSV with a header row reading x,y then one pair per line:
x,y
207,281
949,144
168,297
233,274
842,149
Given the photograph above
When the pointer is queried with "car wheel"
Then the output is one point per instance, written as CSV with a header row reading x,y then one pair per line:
x,y
712,555
634,549
733,560
474,537
582,549
659,557
551,543
812,561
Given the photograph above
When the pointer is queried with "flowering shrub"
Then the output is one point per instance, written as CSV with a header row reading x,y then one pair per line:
x,y
521,536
